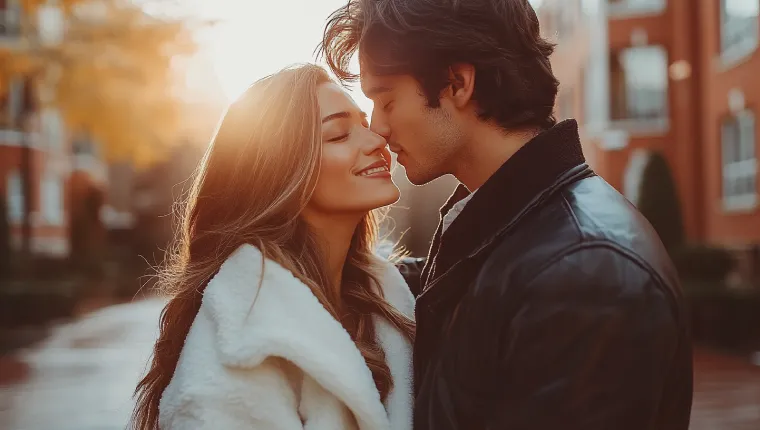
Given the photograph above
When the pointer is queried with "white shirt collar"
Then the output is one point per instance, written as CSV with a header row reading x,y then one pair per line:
x,y
455,210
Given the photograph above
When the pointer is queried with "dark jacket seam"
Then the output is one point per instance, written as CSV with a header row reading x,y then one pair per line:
x,y
571,212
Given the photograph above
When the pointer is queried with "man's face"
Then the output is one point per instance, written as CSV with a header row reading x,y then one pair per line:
x,y
425,139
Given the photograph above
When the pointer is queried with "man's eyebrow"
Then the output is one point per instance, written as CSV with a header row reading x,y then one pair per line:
x,y
374,91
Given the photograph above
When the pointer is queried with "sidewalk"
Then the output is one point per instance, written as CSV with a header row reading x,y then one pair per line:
x,y
726,392
82,377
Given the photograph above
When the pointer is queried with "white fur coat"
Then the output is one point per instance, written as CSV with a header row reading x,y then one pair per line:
x,y
283,362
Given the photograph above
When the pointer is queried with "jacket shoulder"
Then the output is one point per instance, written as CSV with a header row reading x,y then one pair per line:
x,y
592,226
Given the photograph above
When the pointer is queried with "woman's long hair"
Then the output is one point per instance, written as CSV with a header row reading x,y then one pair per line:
x,y
251,187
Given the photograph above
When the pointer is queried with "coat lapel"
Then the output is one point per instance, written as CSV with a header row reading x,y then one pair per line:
x,y
398,350
283,318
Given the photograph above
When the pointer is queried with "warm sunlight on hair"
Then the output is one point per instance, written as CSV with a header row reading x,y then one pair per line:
x,y
255,39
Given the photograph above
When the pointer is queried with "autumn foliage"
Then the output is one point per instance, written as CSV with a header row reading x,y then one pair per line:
x,y
111,72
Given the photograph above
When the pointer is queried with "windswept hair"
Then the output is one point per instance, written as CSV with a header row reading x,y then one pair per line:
x,y
514,82
255,180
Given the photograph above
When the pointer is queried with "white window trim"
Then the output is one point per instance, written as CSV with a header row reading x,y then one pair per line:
x,y
736,55
15,197
740,169
646,127
52,199
13,138
627,10
643,127
739,52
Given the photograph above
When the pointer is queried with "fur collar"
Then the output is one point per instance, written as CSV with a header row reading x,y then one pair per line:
x,y
283,318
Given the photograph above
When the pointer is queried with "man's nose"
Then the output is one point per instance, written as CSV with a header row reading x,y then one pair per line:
x,y
380,126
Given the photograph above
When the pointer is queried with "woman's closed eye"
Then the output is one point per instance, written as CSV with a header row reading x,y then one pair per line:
x,y
338,138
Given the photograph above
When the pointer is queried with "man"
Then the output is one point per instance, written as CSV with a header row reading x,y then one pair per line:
x,y
548,301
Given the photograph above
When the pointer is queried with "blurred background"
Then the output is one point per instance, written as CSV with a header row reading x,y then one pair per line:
x,y
106,107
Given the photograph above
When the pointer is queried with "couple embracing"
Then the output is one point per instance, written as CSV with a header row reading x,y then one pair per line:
x,y
546,301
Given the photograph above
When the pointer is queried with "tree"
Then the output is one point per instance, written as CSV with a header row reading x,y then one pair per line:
x,y
110,73
659,203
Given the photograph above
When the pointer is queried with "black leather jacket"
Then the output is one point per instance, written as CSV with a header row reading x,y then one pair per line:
x,y
550,304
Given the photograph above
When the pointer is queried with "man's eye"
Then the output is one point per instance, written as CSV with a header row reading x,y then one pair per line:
x,y
338,138
387,106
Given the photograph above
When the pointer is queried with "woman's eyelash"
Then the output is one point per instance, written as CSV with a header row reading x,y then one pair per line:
x,y
341,137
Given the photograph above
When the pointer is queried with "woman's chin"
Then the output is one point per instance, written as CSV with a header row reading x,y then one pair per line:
x,y
380,198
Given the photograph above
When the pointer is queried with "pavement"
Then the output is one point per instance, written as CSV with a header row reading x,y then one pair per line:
x,y
83,375
726,393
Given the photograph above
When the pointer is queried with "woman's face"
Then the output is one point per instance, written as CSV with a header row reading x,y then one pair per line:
x,y
355,173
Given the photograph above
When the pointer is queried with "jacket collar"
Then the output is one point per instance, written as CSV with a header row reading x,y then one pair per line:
x,y
536,167
283,318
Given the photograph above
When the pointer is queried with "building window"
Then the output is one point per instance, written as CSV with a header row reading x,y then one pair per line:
x,y
639,84
52,200
15,193
9,18
738,27
53,130
618,8
739,161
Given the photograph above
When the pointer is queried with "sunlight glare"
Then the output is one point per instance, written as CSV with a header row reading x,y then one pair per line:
x,y
255,39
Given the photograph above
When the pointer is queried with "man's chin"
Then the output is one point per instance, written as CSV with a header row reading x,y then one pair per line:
x,y
418,179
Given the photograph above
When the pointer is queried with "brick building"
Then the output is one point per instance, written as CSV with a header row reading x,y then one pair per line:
x,y
581,57
682,78
59,168
675,76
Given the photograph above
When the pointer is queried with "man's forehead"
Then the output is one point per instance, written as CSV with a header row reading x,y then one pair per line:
x,y
373,85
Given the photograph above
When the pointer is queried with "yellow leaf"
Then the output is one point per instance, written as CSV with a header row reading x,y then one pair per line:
x,y
112,75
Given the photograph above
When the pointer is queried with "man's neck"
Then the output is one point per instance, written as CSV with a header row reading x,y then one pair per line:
x,y
487,149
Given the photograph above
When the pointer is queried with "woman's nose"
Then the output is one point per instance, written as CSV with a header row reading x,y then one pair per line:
x,y
374,142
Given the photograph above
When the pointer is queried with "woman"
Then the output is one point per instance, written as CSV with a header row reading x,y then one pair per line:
x,y
281,316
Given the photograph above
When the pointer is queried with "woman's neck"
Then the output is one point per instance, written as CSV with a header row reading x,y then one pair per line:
x,y
334,233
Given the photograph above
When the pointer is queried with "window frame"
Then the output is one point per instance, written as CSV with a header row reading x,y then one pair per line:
x,y
736,168
746,41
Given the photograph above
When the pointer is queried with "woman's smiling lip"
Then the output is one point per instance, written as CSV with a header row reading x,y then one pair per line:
x,y
379,174
376,165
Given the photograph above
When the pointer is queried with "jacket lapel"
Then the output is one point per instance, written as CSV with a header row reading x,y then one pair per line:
x,y
532,170
398,349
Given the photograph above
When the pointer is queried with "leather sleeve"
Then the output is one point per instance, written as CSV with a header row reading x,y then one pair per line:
x,y
589,347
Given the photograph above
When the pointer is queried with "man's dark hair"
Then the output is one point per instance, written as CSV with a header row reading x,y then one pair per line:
x,y
514,83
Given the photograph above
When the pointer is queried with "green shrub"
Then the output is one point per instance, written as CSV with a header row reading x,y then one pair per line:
x,y
659,202
702,263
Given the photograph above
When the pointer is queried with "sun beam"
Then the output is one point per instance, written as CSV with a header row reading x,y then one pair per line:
x,y
257,38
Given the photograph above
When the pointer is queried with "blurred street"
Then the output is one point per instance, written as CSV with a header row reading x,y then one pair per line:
x,y
83,376
727,393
